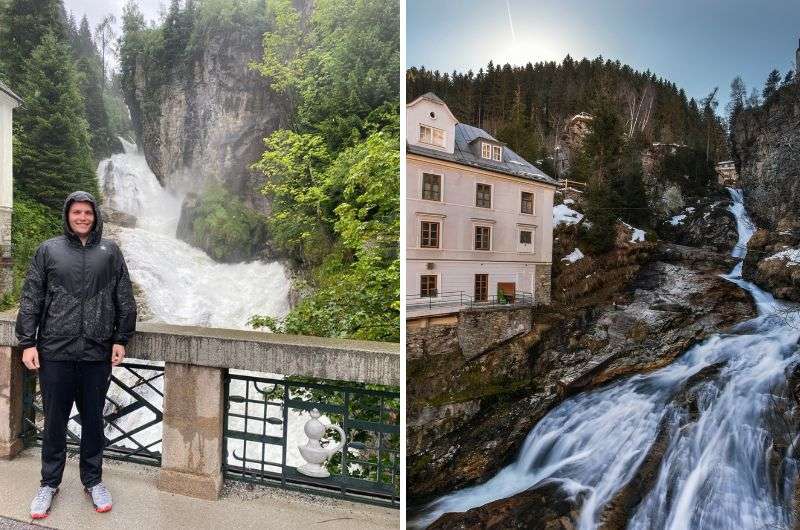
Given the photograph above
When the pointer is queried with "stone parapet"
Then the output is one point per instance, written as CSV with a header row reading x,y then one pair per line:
x,y
11,373
318,357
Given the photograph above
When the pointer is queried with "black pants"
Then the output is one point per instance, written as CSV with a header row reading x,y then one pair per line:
x,y
85,384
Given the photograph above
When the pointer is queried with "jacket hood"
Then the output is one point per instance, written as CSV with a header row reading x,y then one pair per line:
x,y
97,227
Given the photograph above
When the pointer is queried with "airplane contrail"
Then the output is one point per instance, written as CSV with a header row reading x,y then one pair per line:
x,y
511,22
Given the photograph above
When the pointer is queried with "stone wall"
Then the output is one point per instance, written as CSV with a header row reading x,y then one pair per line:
x,y
480,330
544,279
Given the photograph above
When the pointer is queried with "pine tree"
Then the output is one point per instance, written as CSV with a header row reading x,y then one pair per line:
x,y
23,24
599,166
52,157
771,85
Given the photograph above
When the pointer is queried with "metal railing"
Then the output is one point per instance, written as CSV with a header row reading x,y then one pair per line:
x,y
462,299
263,424
132,414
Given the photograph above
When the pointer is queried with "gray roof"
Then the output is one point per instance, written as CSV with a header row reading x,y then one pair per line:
x,y
512,164
4,88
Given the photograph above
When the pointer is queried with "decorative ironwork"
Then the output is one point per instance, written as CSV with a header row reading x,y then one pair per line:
x,y
264,422
132,414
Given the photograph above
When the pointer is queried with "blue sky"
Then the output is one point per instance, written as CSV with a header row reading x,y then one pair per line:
x,y
698,44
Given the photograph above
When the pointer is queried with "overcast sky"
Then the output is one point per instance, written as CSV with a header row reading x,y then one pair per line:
x,y
95,10
698,44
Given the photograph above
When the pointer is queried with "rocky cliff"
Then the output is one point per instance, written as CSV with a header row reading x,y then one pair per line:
x,y
766,144
205,124
767,148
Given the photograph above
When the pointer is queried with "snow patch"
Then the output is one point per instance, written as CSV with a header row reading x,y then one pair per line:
x,y
637,233
790,254
563,214
573,256
677,220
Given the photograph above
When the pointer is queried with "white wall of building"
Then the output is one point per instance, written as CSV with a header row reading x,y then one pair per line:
x,y
426,112
7,104
455,260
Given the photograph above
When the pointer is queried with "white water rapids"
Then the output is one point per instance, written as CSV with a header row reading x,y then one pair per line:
x,y
715,473
183,285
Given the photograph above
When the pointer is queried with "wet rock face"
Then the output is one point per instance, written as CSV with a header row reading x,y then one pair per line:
x,y
543,507
703,223
212,119
779,276
767,142
665,310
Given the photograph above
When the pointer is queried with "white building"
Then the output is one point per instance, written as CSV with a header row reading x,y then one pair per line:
x,y
8,102
479,217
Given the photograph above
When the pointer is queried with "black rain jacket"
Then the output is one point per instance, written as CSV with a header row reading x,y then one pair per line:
x,y
77,300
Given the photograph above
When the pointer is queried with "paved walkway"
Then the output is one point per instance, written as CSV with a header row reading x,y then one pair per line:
x,y
139,505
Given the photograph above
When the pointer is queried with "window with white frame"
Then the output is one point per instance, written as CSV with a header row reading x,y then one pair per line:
x,y
483,195
483,238
431,187
429,234
486,151
525,239
427,286
497,153
431,135
526,205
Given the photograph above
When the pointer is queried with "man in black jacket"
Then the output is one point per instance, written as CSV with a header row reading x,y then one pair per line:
x,y
77,313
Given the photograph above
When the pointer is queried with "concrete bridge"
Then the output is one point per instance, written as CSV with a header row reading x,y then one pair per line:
x,y
189,488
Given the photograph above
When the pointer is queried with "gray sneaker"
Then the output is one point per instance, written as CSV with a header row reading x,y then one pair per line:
x,y
40,505
101,497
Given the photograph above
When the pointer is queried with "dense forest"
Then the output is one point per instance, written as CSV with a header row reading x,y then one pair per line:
x,y
69,121
528,106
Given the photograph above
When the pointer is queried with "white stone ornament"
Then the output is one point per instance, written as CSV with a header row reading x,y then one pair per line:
x,y
312,452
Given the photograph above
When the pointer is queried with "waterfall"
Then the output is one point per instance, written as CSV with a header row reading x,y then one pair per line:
x,y
182,284
715,472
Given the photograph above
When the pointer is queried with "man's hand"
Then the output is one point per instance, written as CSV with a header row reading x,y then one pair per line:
x,y
30,358
117,354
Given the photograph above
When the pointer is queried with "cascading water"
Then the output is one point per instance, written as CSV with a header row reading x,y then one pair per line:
x,y
183,285
716,471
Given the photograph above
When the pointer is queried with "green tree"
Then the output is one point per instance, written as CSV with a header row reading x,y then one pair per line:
x,y
23,25
599,164
771,85
52,155
339,69
343,212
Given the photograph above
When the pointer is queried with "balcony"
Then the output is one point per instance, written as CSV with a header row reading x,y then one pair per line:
x,y
448,302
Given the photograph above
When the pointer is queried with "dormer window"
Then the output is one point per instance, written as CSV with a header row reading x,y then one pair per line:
x,y
491,152
431,135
